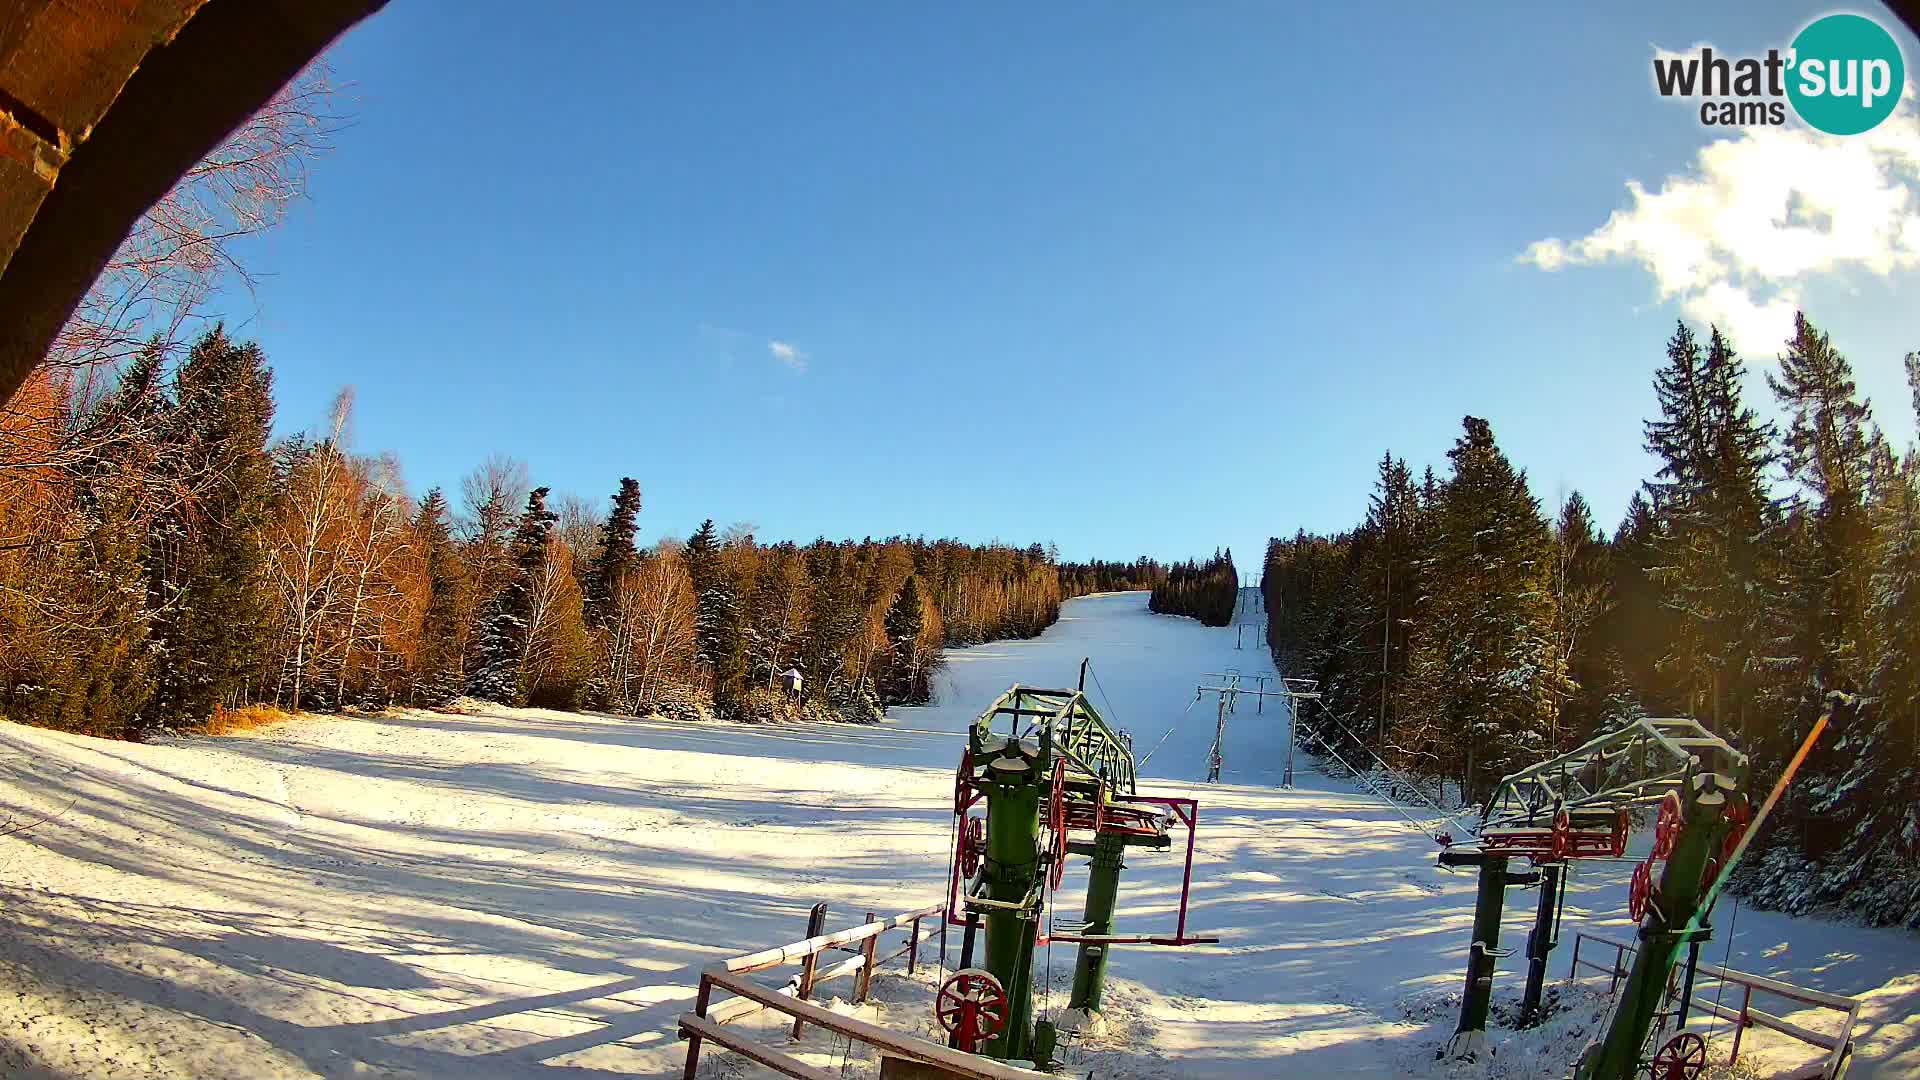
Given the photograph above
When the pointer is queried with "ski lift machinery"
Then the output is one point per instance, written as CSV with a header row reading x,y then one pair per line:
x,y
1055,780
1579,805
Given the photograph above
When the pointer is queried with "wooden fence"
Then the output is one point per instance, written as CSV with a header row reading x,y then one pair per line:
x,y
705,1023
1838,1046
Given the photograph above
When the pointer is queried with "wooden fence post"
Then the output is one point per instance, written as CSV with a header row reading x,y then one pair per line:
x,y
913,945
816,925
693,1039
1740,1028
871,952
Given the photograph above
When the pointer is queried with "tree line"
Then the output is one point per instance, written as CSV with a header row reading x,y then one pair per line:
x,y
1206,591
162,556
1098,576
1462,633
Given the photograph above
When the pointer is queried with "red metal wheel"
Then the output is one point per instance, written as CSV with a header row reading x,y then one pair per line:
x,y
971,1006
1639,891
1058,818
1562,838
1739,816
973,844
1666,830
963,789
1683,1058
1622,827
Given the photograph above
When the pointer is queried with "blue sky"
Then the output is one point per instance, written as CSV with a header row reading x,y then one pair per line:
x,y
1130,278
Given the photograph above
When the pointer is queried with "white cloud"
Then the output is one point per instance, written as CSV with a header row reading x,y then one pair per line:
x,y
1737,236
789,354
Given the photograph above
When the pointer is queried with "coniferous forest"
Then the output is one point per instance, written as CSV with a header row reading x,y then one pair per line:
x,y
1463,631
162,557
1205,591
1083,579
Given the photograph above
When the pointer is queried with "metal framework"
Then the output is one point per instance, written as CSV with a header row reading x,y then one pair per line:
x,y
1635,766
1057,780
1577,805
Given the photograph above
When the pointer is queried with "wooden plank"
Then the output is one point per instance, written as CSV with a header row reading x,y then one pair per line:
x,y
1787,1027
970,1065
773,1059
1802,994
1717,1009
800,950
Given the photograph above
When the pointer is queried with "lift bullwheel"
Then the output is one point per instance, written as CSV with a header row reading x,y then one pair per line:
x,y
1684,1057
971,1008
973,845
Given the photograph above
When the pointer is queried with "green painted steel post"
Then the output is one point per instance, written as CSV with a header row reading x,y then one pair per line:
x,y
1103,886
1540,943
1662,933
1012,875
1470,1035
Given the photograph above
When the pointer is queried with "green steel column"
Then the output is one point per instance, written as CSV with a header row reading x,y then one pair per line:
x,y
1540,943
1103,885
1012,874
1470,1035
1618,1055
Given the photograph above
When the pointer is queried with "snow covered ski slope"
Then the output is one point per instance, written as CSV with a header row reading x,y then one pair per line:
x,y
529,894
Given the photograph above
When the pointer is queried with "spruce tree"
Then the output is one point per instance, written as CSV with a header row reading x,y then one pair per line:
x,y
716,616
437,668
1827,450
1717,531
905,621
1491,608
213,611
1581,595
504,636
614,559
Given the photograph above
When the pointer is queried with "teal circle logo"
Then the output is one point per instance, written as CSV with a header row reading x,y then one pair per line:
x,y
1846,74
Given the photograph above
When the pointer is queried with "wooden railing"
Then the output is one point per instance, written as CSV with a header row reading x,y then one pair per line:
x,y
1837,1045
704,1023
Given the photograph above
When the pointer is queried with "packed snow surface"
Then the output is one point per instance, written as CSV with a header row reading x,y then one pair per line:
x,y
516,893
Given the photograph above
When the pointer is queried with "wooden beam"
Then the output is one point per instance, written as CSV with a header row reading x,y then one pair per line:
x,y
970,1065
773,1059
800,950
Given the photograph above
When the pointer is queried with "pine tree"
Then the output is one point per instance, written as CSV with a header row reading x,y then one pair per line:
x,y
1581,596
212,607
903,682
504,637
437,667
615,558
716,616
1490,612
1638,631
1828,450
1717,528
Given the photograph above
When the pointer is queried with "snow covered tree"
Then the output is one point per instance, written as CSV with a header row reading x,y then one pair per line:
x,y
615,557
1717,530
1581,588
716,616
490,494
1828,450
502,643
902,681
1490,580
